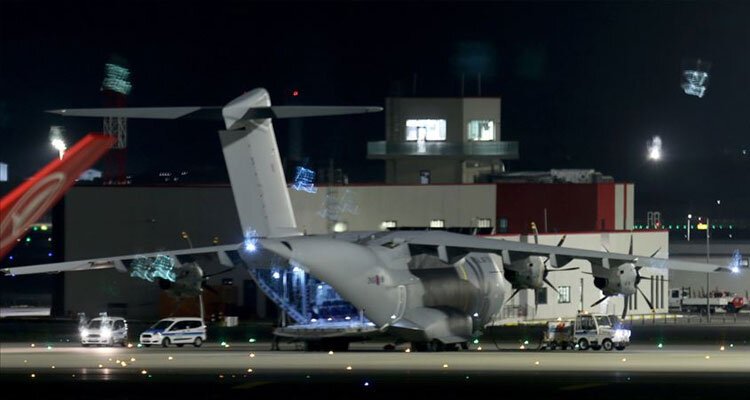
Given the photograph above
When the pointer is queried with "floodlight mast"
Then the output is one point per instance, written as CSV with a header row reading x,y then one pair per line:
x,y
115,87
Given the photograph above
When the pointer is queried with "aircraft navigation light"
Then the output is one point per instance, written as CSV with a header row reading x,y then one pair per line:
x,y
250,246
276,275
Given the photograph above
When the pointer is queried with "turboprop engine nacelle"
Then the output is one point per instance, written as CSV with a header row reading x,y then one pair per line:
x,y
526,273
188,281
619,279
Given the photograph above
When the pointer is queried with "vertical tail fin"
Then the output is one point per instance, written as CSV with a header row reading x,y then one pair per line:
x,y
29,201
255,170
250,152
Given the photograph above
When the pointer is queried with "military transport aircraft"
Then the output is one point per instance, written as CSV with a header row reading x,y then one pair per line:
x,y
431,288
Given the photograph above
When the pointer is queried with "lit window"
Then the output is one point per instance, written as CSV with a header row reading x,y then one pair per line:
x,y
389,224
564,296
424,177
340,226
481,130
437,223
484,223
420,130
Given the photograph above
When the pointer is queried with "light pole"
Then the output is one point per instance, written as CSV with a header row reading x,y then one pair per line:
x,y
185,236
708,260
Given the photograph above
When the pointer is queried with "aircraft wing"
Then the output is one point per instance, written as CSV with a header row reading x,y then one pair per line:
x,y
459,245
119,262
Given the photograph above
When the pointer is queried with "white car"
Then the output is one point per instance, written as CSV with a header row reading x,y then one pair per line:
x,y
179,331
105,331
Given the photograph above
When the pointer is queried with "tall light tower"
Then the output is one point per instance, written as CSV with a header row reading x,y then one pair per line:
x,y
115,87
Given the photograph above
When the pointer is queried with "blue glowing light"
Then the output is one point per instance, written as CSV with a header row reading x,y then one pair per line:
x,y
151,268
304,180
736,262
10,258
251,241
695,77
250,246
49,254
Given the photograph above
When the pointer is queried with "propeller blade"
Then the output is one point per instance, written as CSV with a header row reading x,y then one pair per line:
x,y
562,240
630,249
600,300
514,293
625,307
656,252
587,273
651,306
651,278
566,269
217,273
551,285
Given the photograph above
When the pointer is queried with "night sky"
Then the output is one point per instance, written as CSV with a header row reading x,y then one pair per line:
x,y
583,85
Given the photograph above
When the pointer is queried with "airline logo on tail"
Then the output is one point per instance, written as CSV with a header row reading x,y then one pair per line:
x,y
29,201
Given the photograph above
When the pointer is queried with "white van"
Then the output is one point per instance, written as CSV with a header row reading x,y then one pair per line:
x,y
177,331
105,331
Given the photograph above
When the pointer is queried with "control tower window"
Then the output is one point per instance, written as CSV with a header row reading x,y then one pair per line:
x,y
421,130
481,130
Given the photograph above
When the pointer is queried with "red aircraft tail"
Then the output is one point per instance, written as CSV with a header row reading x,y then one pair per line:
x,y
29,201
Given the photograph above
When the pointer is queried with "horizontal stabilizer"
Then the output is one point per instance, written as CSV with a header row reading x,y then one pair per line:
x,y
215,113
143,112
306,111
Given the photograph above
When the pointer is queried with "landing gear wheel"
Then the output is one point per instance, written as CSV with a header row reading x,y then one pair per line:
x,y
552,346
583,344
165,342
197,342
436,345
419,346
608,345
